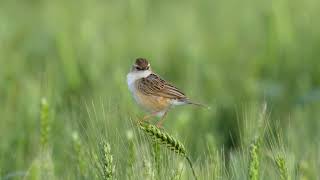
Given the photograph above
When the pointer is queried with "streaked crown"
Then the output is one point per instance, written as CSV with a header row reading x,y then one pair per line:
x,y
142,64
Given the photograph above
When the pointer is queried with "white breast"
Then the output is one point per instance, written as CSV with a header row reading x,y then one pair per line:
x,y
132,77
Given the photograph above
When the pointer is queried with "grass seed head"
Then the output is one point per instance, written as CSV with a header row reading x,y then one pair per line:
x,y
107,161
254,160
281,165
163,138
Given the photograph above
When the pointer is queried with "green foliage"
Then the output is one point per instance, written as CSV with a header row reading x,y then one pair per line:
x,y
73,56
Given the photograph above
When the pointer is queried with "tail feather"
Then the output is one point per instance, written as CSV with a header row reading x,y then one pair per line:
x,y
198,104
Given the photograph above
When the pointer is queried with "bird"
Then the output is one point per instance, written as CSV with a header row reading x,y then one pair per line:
x,y
154,94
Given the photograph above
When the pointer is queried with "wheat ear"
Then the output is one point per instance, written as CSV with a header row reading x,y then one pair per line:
x,y
166,139
254,160
107,161
283,170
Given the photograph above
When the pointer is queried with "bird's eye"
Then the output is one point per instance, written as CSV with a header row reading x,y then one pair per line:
x,y
138,68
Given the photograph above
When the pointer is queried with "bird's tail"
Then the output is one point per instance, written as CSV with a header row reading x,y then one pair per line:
x,y
198,104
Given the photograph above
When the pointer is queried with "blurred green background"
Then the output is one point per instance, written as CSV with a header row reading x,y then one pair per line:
x,y
232,55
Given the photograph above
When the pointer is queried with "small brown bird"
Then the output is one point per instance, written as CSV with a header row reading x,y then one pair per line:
x,y
153,93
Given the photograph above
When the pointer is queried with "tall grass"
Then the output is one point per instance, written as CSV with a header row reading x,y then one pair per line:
x,y
230,55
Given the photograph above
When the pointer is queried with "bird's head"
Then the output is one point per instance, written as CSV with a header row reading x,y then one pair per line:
x,y
141,65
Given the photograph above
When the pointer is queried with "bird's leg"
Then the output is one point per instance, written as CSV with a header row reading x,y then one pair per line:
x,y
159,124
147,117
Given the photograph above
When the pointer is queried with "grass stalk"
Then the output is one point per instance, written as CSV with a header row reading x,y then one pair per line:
x,y
156,156
44,123
80,154
131,159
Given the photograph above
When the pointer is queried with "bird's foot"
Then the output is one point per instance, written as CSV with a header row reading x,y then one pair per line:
x,y
159,126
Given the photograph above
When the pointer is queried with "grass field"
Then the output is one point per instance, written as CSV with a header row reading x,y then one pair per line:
x,y
66,112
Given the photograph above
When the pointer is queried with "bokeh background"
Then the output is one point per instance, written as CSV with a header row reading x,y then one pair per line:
x,y
231,55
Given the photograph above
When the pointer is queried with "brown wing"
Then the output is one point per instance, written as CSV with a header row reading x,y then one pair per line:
x,y
154,85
